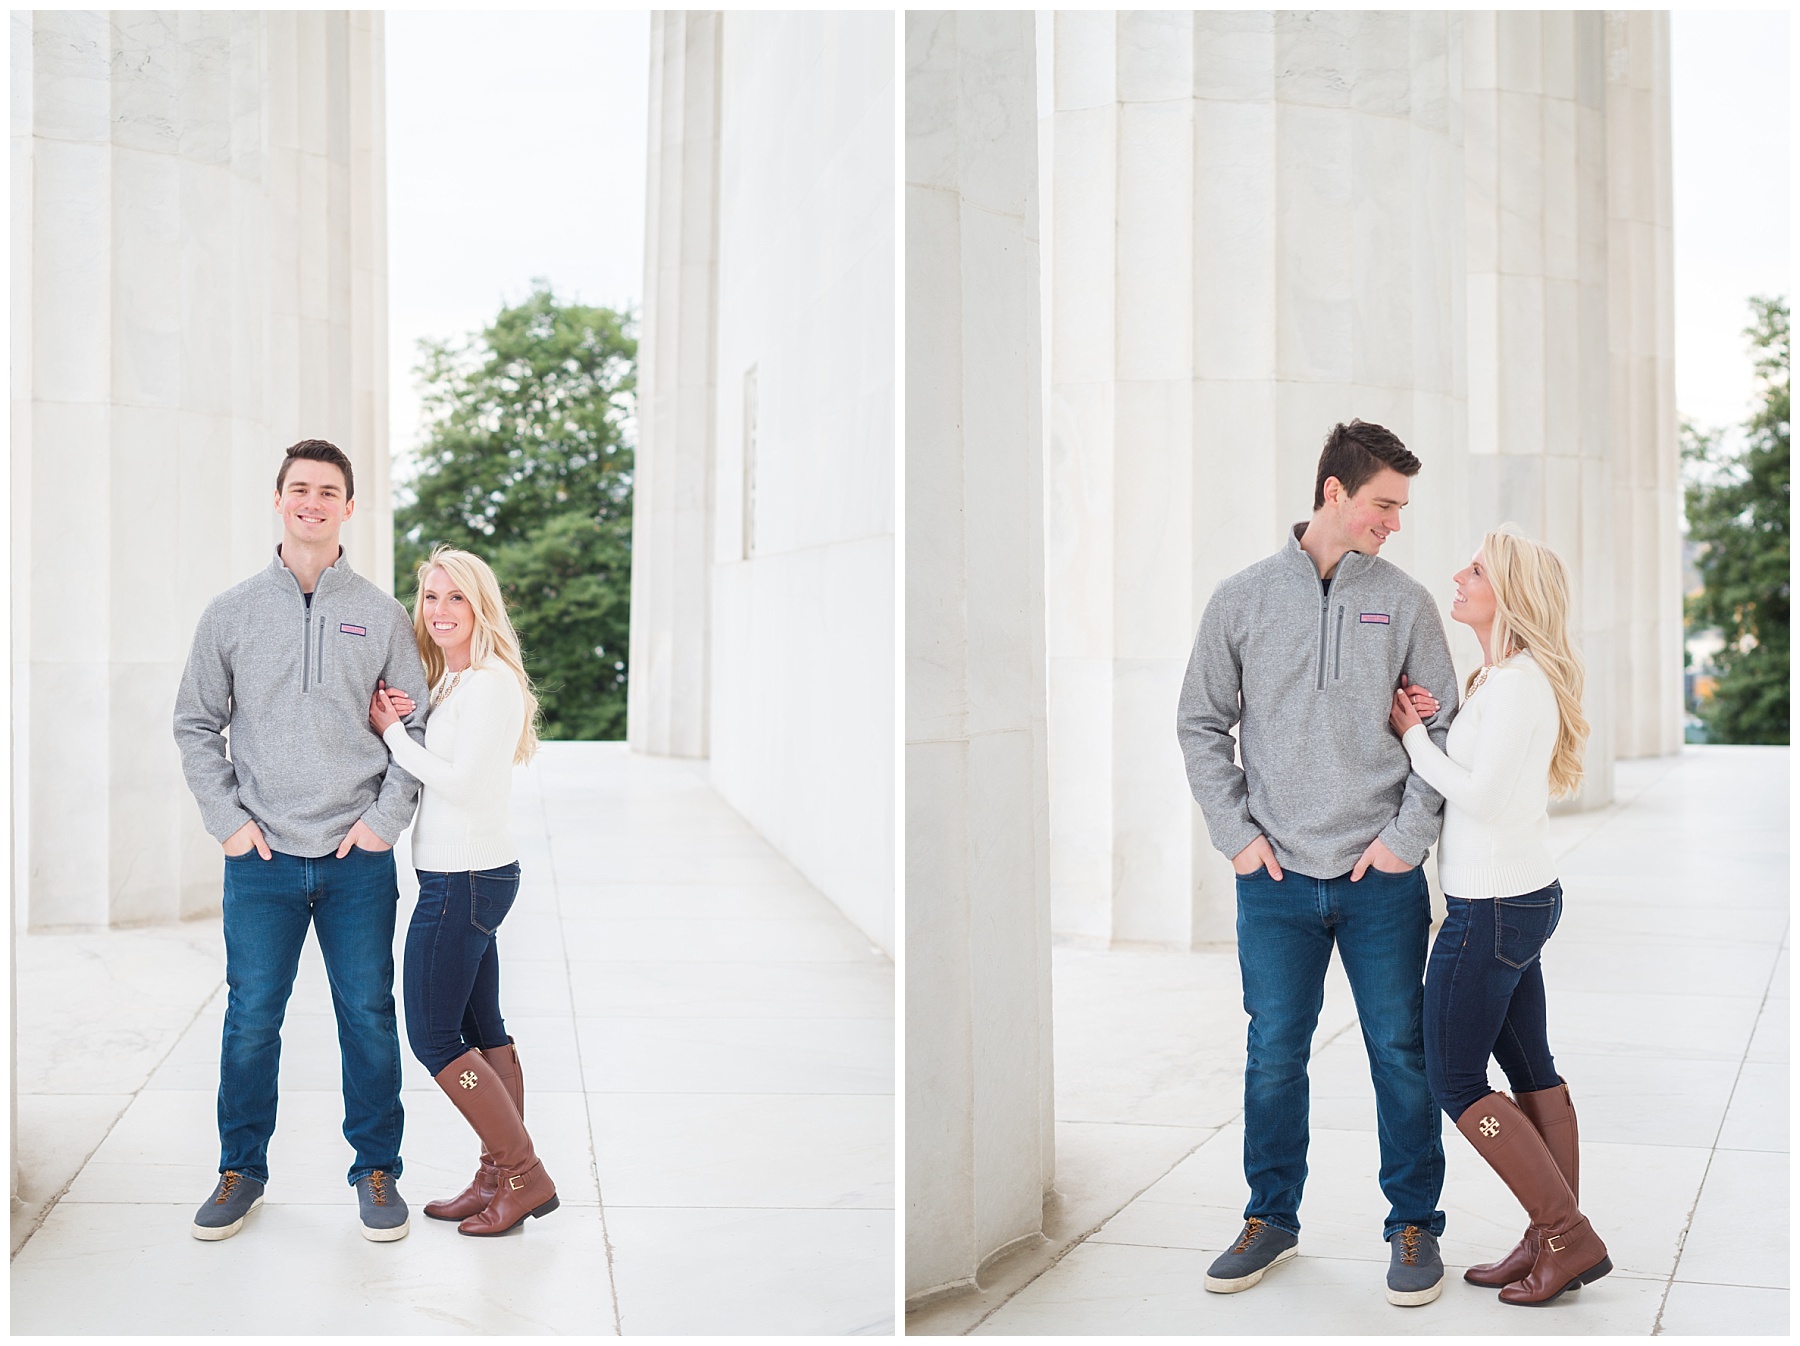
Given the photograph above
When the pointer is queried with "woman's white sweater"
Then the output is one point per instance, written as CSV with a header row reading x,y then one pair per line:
x,y
1494,775
466,769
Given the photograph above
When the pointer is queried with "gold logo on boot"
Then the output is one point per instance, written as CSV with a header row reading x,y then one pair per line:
x,y
1490,1127
467,1079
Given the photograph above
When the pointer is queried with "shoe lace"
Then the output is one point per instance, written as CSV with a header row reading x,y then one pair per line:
x,y
1409,1245
227,1181
378,1187
1253,1227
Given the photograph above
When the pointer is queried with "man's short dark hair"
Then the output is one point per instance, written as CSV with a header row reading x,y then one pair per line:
x,y
1356,452
323,451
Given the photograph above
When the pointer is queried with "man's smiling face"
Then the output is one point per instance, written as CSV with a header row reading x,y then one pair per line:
x,y
311,502
1367,518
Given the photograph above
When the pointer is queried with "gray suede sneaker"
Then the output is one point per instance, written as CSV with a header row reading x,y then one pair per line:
x,y
384,1217
223,1214
1259,1247
1415,1271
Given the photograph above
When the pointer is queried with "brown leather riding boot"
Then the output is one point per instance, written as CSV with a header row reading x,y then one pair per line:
x,y
1568,1252
523,1188
1553,1115
480,1191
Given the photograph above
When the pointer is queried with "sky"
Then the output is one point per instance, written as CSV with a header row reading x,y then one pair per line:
x,y
516,149
1729,115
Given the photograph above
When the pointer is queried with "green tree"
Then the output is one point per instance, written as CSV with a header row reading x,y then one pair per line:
x,y
1737,507
528,464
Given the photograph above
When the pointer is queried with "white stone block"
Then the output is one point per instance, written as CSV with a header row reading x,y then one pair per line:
x,y
1385,294
1382,55
1079,515
1480,51
1521,51
1235,55
1155,60
1521,362
999,124
1155,241
1521,183
71,55
1238,514
144,777
1314,58
1314,285
1083,319
1086,59
71,269
1152,484
1152,894
1558,53
941,1081
70,535
1081,814
1234,246
140,494
68,873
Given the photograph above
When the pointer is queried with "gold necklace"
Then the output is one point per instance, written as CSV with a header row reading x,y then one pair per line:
x,y
446,687
1482,675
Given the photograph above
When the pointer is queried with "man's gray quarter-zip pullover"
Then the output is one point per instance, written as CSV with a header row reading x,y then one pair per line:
x,y
292,681
1309,674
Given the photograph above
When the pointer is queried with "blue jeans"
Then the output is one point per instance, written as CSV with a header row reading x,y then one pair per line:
x,y
453,963
1484,996
268,905
1286,929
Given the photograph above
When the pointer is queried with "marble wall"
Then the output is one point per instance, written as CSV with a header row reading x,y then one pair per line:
x,y
198,280
763,573
1259,224
1536,171
1256,232
979,1137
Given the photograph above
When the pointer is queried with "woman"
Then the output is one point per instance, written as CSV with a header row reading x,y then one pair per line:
x,y
1516,742
481,723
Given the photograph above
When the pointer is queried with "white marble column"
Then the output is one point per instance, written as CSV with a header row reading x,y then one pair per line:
x,y
1535,144
1646,480
201,241
668,694
979,1135
1257,234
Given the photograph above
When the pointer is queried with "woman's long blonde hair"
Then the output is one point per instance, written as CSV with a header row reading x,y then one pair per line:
x,y
494,640
1531,612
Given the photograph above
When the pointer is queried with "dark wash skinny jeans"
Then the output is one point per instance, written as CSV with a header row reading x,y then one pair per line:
x,y
1286,930
453,963
1484,996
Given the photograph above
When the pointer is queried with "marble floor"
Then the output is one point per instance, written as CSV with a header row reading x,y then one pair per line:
x,y
1669,1002
708,1049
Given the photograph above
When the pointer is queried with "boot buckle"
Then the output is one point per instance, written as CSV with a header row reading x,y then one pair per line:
x,y
516,1181
1554,1243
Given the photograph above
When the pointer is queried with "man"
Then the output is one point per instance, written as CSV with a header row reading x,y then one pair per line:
x,y
1326,828
307,808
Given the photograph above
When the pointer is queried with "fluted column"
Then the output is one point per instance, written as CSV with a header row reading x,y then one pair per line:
x,y
1646,478
202,240
1257,234
979,1135
672,507
1535,114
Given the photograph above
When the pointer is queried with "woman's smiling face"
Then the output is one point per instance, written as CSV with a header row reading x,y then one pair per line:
x,y
1474,601
448,616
